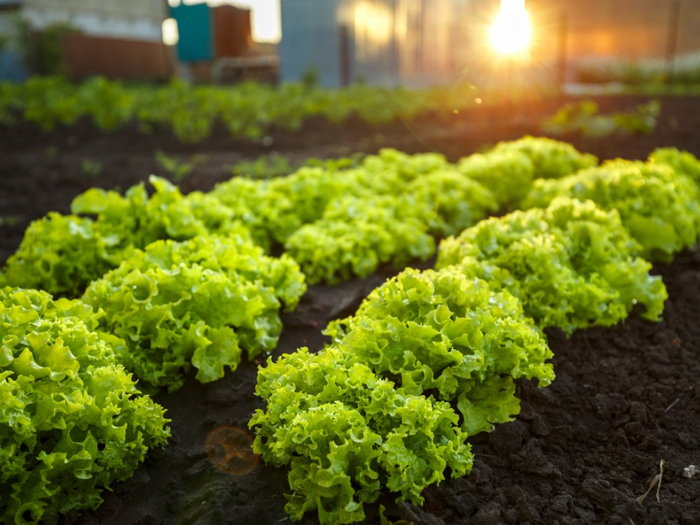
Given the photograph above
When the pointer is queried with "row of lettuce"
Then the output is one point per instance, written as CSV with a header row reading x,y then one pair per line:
x,y
169,282
430,358
247,110
337,220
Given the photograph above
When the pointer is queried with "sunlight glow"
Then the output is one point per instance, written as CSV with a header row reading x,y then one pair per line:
x,y
170,34
511,32
373,23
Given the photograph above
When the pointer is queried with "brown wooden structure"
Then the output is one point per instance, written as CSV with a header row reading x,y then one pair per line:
x,y
86,56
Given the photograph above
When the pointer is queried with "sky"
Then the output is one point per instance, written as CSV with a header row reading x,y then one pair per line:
x,y
265,16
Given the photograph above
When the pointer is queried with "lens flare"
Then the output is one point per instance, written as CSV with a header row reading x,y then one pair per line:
x,y
511,32
230,450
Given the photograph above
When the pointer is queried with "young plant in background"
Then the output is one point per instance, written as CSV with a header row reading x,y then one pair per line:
x,y
177,170
264,167
91,169
583,117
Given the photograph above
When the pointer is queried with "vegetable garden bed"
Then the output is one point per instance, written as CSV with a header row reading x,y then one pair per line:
x,y
581,451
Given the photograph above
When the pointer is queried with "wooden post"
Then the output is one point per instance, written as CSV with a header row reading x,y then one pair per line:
x,y
672,42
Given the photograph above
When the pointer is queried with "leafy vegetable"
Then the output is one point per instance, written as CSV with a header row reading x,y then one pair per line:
x,y
195,303
62,254
340,222
508,174
552,159
682,162
660,208
71,419
360,415
449,333
347,432
447,201
355,237
583,117
247,110
572,265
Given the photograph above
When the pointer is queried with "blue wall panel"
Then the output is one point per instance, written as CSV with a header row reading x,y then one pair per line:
x,y
310,37
195,30
12,67
390,42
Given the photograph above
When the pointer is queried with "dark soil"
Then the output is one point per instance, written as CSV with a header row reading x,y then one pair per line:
x,y
582,451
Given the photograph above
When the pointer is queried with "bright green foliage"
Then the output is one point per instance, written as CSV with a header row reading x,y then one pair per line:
x,y
448,333
46,101
402,166
347,433
339,223
660,208
274,209
137,219
355,237
447,201
508,174
359,415
62,254
110,104
247,109
195,303
552,159
71,419
583,117
682,162
572,265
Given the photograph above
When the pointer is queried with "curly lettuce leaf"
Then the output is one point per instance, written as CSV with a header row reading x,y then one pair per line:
x,y
552,159
507,174
445,332
346,432
572,265
72,421
197,303
659,207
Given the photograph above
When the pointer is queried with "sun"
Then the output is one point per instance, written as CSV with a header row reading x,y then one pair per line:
x,y
511,32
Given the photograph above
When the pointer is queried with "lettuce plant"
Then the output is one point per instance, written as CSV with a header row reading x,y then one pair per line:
x,y
572,265
659,207
137,219
195,303
355,237
451,334
552,159
360,417
447,202
62,254
346,433
339,223
507,174
72,421
682,162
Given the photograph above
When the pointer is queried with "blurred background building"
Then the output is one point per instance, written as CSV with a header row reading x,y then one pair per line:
x,y
337,42
431,41
88,37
